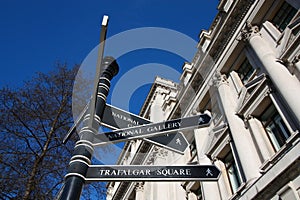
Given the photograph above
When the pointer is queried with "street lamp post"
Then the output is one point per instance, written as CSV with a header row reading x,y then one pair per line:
x,y
83,150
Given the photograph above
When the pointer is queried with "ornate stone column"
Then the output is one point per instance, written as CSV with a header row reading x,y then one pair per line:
x,y
246,151
287,84
161,189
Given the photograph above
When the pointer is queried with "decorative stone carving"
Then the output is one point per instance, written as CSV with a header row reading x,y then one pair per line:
x,y
219,79
150,159
160,153
109,192
156,153
139,187
249,31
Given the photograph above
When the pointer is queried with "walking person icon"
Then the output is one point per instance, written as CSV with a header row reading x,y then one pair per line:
x,y
209,172
178,141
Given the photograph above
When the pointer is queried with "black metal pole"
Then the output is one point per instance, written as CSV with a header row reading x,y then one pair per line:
x,y
98,73
83,151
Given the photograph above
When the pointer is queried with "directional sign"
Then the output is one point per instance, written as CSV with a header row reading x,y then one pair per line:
x,y
152,173
116,118
150,130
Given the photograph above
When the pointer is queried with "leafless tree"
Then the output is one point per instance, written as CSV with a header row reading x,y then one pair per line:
x,y
33,121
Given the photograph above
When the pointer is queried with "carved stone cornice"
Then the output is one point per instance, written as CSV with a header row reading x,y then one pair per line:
x,y
233,20
249,31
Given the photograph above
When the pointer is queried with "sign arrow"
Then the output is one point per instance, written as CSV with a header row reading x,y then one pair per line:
x,y
151,130
152,173
116,118
173,142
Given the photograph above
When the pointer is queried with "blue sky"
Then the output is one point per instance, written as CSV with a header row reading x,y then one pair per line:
x,y
37,34
34,35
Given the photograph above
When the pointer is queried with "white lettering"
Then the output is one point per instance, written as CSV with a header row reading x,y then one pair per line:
x,y
181,171
101,171
136,172
145,172
113,172
126,119
148,172
188,172
173,172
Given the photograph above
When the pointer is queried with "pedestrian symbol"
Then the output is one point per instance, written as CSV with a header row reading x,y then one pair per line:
x,y
209,172
178,141
201,120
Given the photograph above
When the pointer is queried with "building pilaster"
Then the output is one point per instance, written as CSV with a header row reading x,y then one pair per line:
x,y
287,84
210,189
246,151
191,196
156,111
224,187
260,137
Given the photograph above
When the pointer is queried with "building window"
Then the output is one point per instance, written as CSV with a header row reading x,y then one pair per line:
x,y
232,172
284,15
210,103
275,128
205,103
216,108
245,71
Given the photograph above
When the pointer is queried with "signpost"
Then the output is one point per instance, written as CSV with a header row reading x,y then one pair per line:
x,y
150,130
152,173
129,127
83,151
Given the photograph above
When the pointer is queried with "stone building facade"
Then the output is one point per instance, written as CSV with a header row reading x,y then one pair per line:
x,y
246,74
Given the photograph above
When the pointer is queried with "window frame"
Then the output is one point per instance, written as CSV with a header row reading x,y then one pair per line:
x,y
283,16
197,190
246,65
275,127
234,179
